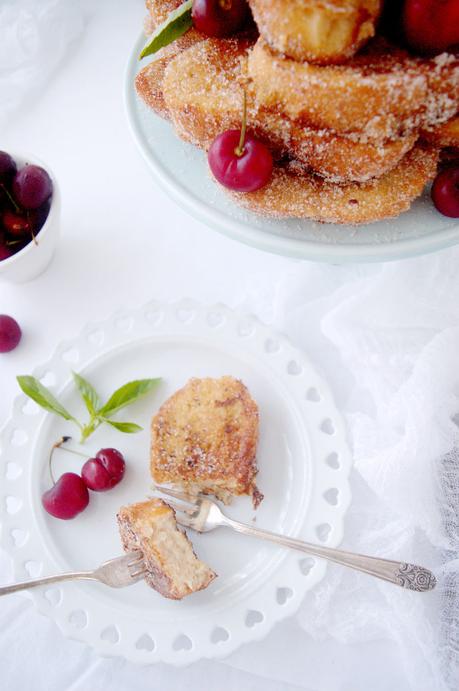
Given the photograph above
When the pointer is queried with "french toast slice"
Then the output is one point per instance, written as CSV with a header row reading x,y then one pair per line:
x,y
203,93
173,568
204,439
321,31
292,193
380,93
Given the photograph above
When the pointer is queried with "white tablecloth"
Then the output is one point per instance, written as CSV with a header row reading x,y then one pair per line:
x,y
386,338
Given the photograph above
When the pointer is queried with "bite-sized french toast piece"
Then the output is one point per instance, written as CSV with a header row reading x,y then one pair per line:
x,y
445,135
322,31
209,101
293,193
173,568
149,81
204,439
378,94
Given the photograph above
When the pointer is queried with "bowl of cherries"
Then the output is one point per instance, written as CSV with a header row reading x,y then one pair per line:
x,y
29,217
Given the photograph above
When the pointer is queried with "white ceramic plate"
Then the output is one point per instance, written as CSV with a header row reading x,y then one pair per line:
x,y
181,170
304,464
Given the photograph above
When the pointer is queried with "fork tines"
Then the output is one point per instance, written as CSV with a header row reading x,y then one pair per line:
x,y
177,494
136,563
186,508
188,505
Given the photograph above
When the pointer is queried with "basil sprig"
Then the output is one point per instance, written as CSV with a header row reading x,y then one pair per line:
x,y
98,413
177,23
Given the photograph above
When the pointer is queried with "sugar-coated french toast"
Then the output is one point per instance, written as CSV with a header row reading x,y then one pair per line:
x,y
204,439
209,101
292,193
172,567
379,93
322,31
354,123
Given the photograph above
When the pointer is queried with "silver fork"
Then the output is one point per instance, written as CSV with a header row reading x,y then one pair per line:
x,y
116,573
204,515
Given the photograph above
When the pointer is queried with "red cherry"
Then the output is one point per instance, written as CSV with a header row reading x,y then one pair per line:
x,y
7,167
32,186
219,17
15,224
10,333
431,26
104,471
67,498
5,252
39,216
246,172
445,192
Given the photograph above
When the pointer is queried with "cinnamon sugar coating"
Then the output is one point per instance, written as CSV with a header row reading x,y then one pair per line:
x,y
380,93
445,135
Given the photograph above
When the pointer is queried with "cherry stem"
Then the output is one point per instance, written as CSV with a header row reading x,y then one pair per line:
x,y
10,197
239,150
34,239
58,445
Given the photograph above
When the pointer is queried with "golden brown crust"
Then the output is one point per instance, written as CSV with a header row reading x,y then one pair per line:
x,y
343,160
378,94
204,439
173,568
291,193
322,31
209,101
446,135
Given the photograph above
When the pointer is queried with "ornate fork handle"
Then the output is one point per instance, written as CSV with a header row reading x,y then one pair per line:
x,y
409,576
46,580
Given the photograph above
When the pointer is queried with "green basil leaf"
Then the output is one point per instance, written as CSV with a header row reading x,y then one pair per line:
x,y
88,393
175,25
41,395
126,395
127,427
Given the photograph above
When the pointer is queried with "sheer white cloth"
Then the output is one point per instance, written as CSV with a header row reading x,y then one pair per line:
x,y
35,36
388,340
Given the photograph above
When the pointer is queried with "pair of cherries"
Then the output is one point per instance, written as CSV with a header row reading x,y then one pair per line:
x,y
69,496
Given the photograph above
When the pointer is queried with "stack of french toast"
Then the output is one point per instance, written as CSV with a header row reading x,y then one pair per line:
x,y
355,123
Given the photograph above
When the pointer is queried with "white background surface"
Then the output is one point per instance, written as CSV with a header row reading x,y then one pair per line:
x,y
124,243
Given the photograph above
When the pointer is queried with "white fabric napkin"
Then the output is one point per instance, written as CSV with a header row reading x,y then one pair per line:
x,y
387,339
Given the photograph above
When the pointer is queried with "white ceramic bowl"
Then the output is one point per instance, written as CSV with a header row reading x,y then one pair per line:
x,y
33,259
